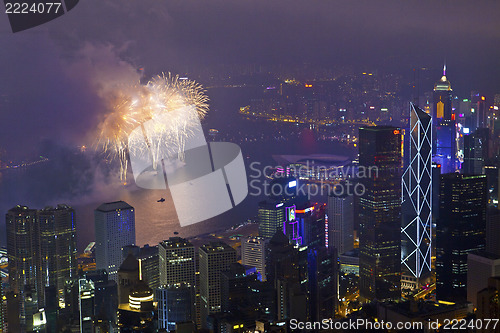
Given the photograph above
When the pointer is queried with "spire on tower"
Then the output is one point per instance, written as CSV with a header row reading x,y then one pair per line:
x,y
444,69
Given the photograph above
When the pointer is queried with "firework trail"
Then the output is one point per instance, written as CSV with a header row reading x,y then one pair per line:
x,y
155,104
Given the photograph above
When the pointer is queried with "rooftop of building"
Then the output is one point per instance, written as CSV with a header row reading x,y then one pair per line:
x,y
443,84
20,209
58,207
215,247
174,242
379,128
148,251
456,175
113,206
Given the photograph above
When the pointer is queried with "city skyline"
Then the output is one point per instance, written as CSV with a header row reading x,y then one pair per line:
x,y
367,135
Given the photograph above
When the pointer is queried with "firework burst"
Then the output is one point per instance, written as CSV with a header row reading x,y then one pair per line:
x,y
153,108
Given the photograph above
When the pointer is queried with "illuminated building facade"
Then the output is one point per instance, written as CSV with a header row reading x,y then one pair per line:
x,y
175,305
442,98
475,147
253,253
177,261
22,248
114,229
139,314
150,262
311,220
322,280
57,246
23,257
340,212
271,216
380,214
416,225
444,126
460,231
291,226
214,258
86,291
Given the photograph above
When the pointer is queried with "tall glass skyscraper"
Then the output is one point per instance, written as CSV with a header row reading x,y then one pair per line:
x,y
57,246
22,248
340,222
271,217
175,305
460,231
214,258
416,225
380,152
177,261
114,229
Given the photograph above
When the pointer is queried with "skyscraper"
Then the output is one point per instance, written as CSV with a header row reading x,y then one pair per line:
x,y
380,213
253,253
175,305
287,272
271,217
322,283
214,258
57,246
312,222
114,229
340,214
178,265
444,125
150,265
442,108
105,299
460,230
24,265
177,261
86,305
416,225
22,248
473,155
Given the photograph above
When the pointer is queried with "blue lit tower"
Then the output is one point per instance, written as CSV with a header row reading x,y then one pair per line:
x,y
444,125
416,226
114,229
